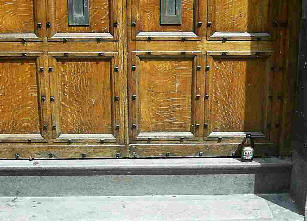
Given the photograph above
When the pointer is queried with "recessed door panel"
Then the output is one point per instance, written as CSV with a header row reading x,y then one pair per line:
x,y
83,100
240,19
20,101
164,99
167,20
21,20
239,102
80,20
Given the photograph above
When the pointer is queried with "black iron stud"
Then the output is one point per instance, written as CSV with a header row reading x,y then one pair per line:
x,y
115,24
209,24
83,155
206,96
117,155
197,97
43,98
116,98
50,69
198,68
133,67
41,69
17,156
134,97
116,69
200,154
39,25
133,24
52,98
48,25
199,24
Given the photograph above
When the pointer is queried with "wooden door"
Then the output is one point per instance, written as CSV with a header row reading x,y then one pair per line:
x,y
203,74
63,96
145,78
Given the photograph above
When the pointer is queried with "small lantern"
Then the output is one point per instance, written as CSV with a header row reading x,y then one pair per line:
x,y
247,149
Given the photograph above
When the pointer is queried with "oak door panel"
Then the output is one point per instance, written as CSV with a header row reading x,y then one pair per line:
x,y
165,104
239,89
21,19
102,21
20,104
147,17
84,108
240,19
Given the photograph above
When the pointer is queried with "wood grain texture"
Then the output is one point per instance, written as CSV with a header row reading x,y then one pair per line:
x,y
165,91
238,94
85,96
231,16
18,97
193,150
149,16
17,16
240,15
99,17
48,151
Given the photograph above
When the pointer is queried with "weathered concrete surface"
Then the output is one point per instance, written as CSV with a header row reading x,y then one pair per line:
x,y
143,177
299,181
151,208
182,166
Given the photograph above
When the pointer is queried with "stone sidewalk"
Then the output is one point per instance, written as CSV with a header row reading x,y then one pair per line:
x,y
245,207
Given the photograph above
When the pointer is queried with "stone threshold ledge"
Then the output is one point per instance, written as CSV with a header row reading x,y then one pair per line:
x,y
182,166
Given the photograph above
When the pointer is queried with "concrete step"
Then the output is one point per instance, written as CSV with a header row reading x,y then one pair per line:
x,y
250,207
138,177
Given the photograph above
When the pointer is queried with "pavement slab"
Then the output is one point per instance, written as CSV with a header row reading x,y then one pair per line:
x,y
238,207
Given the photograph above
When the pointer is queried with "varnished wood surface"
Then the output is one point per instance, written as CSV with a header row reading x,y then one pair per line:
x,y
99,11
165,95
237,89
149,16
19,92
85,93
235,15
244,94
17,16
